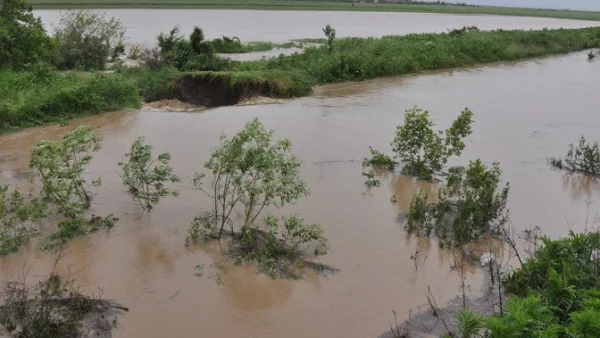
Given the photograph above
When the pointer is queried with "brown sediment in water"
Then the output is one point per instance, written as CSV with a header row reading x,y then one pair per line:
x,y
524,113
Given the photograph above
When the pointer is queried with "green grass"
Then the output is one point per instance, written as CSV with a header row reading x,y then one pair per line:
x,y
355,59
317,6
30,99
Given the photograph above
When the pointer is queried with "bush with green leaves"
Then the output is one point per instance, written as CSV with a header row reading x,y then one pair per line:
x,y
555,293
60,168
583,158
379,160
423,151
145,176
247,174
87,39
23,40
192,54
17,218
472,202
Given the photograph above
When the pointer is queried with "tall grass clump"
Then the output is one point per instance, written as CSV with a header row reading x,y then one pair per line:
x,y
42,96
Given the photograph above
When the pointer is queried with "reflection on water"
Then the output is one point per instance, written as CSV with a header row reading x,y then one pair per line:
x,y
581,186
524,114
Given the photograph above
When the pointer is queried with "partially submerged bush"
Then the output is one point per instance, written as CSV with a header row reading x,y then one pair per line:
x,y
423,151
60,168
252,172
585,158
86,40
145,176
55,308
16,218
472,203
379,160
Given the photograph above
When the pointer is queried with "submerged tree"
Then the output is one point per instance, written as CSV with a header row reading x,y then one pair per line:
x,y
16,217
248,173
145,177
472,202
423,151
585,158
60,167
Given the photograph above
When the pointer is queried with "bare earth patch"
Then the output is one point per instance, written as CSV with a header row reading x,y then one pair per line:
x,y
258,100
171,106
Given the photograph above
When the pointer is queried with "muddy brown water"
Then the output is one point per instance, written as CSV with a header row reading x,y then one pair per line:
x,y
524,113
143,25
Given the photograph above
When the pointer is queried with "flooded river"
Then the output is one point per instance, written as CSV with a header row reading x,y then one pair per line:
x,y
524,113
143,25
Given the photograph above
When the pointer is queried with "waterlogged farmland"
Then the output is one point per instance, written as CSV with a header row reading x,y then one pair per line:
x,y
154,236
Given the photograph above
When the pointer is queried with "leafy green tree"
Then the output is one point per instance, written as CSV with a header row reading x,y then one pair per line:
x,y
145,176
86,39
23,40
16,218
423,151
252,171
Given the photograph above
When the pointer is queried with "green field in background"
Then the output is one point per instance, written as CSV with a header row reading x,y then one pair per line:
x,y
318,6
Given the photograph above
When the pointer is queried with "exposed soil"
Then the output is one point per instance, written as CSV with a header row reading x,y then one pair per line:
x,y
171,106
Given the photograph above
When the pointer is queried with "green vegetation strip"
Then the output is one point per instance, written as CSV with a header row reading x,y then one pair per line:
x,y
30,99
317,6
355,59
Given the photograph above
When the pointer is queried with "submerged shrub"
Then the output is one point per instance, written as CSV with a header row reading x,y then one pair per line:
x,y
379,160
60,168
471,203
16,218
583,158
423,151
145,176
251,171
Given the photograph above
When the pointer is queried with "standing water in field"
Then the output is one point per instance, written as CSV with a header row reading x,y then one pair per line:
x,y
523,114
143,25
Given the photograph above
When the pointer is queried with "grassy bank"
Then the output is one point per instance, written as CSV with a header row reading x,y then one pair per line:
x,y
316,6
30,99
355,59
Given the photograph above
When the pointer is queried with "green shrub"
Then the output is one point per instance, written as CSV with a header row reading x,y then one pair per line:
x,y
379,160
145,177
585,158
471,203
86,40
555,293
